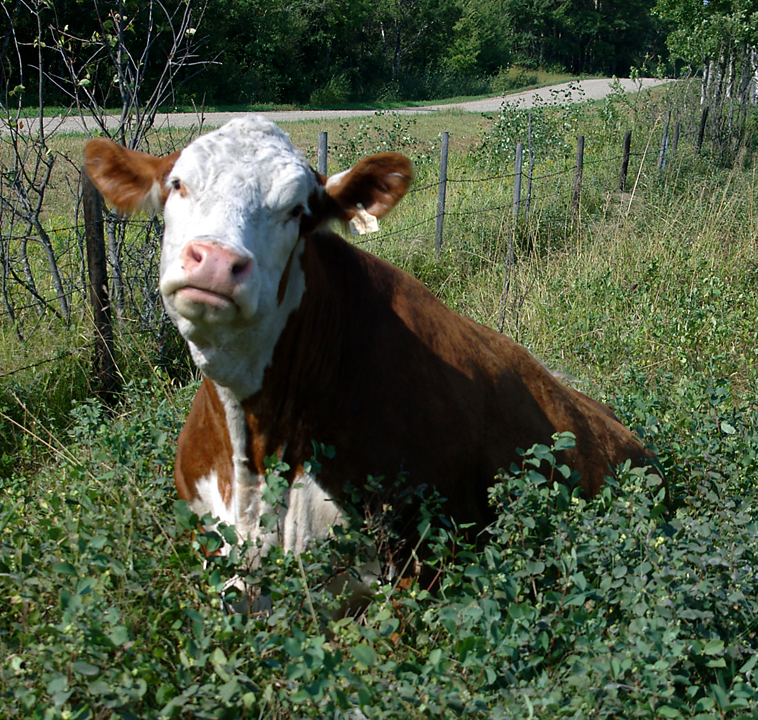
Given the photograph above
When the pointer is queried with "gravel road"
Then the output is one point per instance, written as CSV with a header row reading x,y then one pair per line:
x,y
592,90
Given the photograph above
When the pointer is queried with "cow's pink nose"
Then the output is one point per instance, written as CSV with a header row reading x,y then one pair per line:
x,y
214,267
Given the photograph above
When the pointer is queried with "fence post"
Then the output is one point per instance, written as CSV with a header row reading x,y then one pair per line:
x,y
701,134
441,198
675,141
625,160
530,172
322,151
664,144
576,197
517,182
105,365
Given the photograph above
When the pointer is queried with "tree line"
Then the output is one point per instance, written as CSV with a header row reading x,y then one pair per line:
x,y
300,51
233,52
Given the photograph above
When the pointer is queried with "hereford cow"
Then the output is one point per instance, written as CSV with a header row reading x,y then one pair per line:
x,y
301,336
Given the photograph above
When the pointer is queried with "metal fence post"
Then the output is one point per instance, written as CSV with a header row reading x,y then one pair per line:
x,y
577,194
517,181
675,141
701,134
322,152
625,160
441,197
530,172
664,144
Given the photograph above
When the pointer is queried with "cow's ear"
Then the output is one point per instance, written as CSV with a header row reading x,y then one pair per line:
x,y
376,184
128,179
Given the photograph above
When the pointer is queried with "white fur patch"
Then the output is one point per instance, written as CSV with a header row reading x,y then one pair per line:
x,y
307,512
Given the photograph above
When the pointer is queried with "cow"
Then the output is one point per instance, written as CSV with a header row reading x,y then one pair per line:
x,y
301,336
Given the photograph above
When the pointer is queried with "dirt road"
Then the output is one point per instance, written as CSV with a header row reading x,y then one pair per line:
x,y
585,89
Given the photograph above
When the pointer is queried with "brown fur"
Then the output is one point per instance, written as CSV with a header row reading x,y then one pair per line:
x,y
126,177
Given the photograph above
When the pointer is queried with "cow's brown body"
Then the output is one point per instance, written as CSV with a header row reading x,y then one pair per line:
x,y
373,364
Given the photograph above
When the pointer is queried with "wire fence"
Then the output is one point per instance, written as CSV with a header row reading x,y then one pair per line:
x,y
29,298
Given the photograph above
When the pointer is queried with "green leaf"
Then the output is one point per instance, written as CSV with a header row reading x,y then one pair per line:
x,y
85,668
722,698
99,687
118,635
292,646
727,429
713,647
669,712
564,441
57,684
65,568
364,653
749,665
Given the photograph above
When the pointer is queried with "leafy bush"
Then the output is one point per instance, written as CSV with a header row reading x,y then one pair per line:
x,y
566,607
335,93
381,132
554,128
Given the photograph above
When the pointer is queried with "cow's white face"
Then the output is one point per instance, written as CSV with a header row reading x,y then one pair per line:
x,y
236,198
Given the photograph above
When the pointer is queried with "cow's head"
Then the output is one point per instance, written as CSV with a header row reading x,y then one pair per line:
x,y
238,205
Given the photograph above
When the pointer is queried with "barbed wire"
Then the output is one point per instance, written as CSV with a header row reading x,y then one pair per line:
x,y
404,229
512,175
58,356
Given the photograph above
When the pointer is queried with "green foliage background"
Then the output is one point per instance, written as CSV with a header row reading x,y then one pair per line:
x,y
328,52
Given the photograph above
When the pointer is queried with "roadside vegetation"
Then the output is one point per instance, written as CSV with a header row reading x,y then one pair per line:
x,y
622,606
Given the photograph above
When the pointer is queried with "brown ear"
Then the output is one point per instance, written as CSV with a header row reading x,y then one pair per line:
x,y
377,183
128,179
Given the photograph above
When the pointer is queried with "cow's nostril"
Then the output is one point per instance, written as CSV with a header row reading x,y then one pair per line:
x,y
241,267
193,253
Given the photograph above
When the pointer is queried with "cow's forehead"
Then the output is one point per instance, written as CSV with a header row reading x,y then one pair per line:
x,y
250,154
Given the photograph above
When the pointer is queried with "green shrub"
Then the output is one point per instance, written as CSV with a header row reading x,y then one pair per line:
x,y
335,93
614,606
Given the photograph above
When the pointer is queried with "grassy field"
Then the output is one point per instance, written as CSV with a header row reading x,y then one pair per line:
x,y
614,608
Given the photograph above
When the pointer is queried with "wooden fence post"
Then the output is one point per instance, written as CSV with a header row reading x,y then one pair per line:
x,y
664,144
517,182
105,365
530,172
577,194
625,160
322,151
441,197
701,134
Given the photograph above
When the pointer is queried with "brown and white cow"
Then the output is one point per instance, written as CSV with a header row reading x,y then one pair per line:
x,y
301,336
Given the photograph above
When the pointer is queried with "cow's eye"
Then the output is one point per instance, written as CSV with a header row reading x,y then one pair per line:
x,y
176,184
297,211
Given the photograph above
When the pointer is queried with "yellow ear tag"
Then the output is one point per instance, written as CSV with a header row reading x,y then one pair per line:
x,y
363,222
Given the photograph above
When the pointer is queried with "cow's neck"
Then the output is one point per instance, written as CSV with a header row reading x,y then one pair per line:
x,y
307,356
306,359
